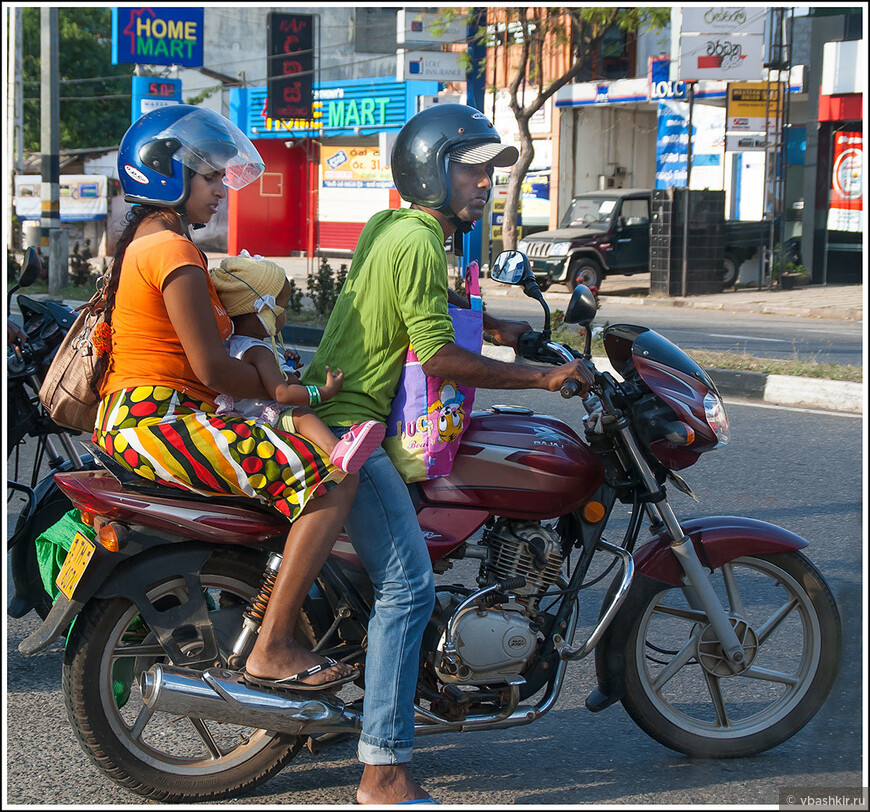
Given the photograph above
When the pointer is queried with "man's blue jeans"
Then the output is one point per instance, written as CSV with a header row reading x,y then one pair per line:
x,y
386,536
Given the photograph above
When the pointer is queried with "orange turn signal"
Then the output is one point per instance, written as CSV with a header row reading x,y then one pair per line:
x,y
110,536
593,512
87,518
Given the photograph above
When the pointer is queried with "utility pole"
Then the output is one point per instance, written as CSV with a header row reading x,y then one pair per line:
x,y
475,88
14,107
684,286
52,239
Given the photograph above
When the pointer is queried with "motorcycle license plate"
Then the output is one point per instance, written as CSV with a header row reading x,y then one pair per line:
x,y
80,552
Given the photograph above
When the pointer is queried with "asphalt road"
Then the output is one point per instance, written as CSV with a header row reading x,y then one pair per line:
x,y
766,336
798,469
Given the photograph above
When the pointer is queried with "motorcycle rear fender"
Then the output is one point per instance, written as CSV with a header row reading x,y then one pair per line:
x,y
139,547
717,540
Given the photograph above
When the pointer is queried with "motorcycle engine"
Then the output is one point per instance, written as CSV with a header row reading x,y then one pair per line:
x,y
494,643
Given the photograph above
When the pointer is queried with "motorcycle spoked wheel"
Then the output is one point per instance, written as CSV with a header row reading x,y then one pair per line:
x,y
172,758
679,689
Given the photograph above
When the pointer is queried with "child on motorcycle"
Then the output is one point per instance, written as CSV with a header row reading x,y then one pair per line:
x,y
255,293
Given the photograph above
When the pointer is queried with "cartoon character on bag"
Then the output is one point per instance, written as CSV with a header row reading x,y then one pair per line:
x,y
449,411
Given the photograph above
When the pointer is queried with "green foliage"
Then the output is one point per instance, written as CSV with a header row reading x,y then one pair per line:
x,y
79,269
325,285
13,266
779,265
92,114
294,304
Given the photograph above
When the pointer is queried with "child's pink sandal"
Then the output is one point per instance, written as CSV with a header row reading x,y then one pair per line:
x,y
357,444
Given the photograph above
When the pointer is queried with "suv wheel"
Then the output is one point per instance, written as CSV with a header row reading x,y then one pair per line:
x,y
584,271
730,270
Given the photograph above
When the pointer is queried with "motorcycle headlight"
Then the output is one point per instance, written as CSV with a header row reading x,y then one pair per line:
x,y
717,419
559,249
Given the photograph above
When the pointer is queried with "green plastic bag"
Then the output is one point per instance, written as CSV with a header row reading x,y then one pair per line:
x,y
53,545
51,550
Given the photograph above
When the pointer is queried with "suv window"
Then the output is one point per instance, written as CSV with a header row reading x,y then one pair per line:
x,y
590,212
635,212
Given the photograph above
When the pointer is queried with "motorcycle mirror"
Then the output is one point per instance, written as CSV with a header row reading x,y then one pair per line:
x,y
30,268
582,308
511,268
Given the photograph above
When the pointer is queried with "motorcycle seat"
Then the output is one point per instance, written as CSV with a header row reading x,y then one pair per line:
x,y
134,482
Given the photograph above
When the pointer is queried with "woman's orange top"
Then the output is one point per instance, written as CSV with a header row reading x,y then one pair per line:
x,y
146,350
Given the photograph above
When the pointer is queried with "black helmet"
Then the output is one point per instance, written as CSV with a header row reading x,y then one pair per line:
x,y
424,146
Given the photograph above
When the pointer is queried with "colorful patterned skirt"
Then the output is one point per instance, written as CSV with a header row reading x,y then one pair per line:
x,y
161,434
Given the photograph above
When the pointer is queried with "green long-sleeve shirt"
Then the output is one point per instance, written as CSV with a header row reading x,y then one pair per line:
x,y
395,294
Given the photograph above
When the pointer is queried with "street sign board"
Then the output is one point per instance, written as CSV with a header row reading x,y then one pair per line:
x,y
157,36
435,66
290,71
425,27
719,20
153,92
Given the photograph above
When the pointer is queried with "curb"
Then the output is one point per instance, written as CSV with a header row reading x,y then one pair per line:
x,y
780,390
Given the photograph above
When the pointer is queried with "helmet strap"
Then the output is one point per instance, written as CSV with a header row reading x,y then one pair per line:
x,y
185,225
462,226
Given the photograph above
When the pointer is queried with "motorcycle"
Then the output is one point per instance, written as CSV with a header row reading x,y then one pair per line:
x,y
38,501
717,634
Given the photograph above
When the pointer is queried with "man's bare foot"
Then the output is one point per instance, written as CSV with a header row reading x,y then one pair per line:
x,y
286,658
388,784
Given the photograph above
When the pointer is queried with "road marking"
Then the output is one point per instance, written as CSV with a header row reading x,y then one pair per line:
x,y
757,405
749,338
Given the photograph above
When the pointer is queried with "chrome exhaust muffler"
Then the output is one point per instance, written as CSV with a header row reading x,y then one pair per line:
x,y
223,696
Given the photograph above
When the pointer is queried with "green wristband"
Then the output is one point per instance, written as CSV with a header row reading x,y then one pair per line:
x,y
313,395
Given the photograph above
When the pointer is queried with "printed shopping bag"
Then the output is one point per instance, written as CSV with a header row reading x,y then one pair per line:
x,y
429,415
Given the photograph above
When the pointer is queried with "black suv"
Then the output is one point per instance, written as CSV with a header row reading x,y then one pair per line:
x,y
601,233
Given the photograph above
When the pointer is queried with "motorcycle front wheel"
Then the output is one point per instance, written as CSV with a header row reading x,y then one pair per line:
x,y
681,691
162,756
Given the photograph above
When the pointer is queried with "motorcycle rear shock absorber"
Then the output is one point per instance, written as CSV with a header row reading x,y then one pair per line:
x,y
252,617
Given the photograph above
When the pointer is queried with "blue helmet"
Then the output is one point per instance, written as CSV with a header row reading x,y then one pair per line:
x,y
161,150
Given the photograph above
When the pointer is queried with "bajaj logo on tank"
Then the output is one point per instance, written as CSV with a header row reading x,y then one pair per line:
x,y
135,174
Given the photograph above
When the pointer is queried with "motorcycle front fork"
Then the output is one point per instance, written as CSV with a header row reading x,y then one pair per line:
x,y
696,577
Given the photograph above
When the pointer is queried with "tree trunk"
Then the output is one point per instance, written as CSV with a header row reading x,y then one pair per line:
x,y
515,185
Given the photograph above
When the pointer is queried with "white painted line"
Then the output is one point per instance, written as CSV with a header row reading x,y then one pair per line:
x,y
749,338
759,405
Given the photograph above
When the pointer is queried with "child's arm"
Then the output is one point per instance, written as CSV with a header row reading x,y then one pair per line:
x,y
288,392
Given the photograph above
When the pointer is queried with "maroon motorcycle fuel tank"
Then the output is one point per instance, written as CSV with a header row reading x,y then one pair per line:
x,y
520,465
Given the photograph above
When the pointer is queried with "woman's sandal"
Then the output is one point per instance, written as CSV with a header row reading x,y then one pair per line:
x,y
294,683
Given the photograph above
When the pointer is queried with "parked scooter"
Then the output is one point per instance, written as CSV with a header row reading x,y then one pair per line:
x,y
717,634
39,501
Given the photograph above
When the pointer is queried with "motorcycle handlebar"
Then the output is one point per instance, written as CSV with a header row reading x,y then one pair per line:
x,y
570,388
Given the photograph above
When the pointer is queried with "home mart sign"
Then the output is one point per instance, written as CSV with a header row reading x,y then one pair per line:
x,y
339,109
157,36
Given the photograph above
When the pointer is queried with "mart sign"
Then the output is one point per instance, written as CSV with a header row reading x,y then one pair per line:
x,y
157,36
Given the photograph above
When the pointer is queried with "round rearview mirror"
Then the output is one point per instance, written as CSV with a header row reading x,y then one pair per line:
x,y
511,267
582,307
30,268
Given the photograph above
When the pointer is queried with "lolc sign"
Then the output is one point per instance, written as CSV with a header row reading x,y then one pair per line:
x,y
157,35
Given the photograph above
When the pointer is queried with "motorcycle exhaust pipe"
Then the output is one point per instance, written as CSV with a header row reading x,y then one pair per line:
x,y
223,696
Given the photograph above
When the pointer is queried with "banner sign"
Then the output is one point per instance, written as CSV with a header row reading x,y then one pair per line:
x,y
290,71
82,197
847,182
353,168
754,106
435,66
720,56
727,20
157,36
428,27
708,143
660,84
153,92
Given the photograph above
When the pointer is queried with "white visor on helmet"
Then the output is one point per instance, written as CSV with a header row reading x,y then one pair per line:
x,y
210,143
496,154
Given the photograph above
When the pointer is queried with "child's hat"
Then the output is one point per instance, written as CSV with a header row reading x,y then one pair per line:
x,y
247,284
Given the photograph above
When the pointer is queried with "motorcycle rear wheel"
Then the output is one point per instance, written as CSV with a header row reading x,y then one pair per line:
x,y
679,689
171,759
